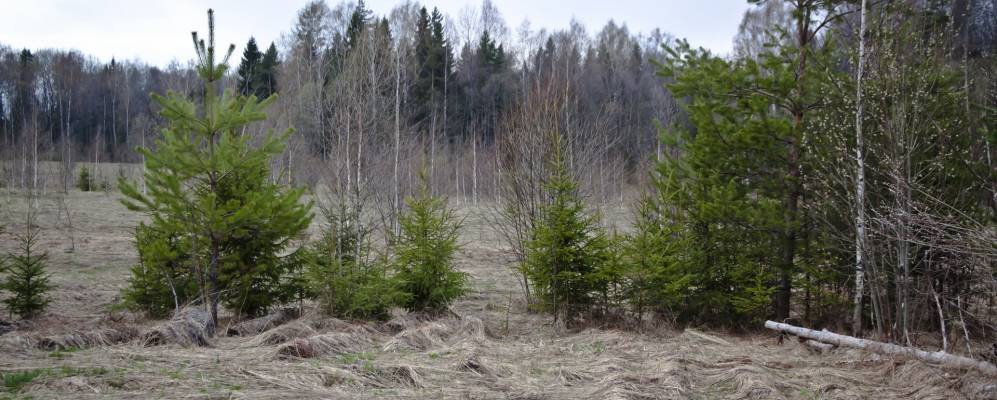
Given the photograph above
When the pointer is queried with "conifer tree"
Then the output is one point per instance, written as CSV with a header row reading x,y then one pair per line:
x,y
358,24
730,206
341,274
250,69
209,187
266,84
424,252
84,181
434,61
26,279
566,258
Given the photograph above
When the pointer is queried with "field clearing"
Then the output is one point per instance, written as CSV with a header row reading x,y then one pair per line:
x,y
490,348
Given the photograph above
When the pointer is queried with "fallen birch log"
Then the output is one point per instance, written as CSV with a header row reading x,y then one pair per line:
x,y
819,347
935,357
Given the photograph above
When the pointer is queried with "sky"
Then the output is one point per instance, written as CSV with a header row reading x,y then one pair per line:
x,y
158,32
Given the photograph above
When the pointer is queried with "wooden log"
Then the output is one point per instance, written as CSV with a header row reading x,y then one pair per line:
x,y
934,357
819,346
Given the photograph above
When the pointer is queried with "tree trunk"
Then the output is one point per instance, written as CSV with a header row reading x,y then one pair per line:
x,y
859,187
396,205
474,167
936,357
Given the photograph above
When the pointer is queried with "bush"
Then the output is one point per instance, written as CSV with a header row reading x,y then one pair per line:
x,y
340,274
84,181
424,253
27,281
568,260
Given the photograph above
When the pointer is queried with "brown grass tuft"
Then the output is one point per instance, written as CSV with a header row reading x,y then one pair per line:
x,y
325,344
258,325
281,334
389,376
421,337
87,339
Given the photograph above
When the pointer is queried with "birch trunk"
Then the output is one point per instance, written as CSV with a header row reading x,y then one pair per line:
x,y
934,357
859,187
396,205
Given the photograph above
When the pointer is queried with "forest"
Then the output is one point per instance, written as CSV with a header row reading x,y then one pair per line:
x,y
414,198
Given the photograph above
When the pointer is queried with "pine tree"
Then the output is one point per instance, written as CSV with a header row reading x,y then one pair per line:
x,y
26,280
424,253
250,69
208,185
567,257
729,207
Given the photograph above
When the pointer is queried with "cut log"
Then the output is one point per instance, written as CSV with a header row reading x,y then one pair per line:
x,y
934,357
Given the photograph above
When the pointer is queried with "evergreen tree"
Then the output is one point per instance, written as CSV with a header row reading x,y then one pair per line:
x,y
727,203
434,62
24,96
424,253
250,69
164,278
26,280
84,181
209,186
266,83
341,274
567,259
358,24
491,56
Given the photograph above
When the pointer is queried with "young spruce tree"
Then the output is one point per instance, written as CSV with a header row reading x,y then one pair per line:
x,y
209,188
26,280
341,274
569,250
424,253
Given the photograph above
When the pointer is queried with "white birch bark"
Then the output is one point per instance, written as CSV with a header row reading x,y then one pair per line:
x,y
934,357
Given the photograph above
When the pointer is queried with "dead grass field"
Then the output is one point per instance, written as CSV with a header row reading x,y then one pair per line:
x,y
490,349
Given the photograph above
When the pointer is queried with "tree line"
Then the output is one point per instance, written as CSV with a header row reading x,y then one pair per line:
x,y
352,81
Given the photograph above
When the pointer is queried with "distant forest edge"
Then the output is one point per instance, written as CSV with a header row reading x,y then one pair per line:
x,y
348,79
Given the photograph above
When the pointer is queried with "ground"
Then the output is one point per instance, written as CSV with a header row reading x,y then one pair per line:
x,y
491,347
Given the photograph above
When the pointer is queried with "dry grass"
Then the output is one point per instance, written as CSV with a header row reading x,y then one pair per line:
x,y
282,334
88,338
491,348
258,325
335,343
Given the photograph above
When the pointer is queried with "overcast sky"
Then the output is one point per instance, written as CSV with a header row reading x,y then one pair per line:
x,y
159,31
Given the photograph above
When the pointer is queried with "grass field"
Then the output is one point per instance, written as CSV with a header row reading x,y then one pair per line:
x,y
491,348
